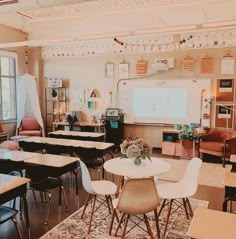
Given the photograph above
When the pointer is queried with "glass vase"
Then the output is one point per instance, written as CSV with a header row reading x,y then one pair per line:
x,y
137,161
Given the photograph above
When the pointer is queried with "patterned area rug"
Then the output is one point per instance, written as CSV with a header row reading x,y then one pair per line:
x,y
210,174
76,228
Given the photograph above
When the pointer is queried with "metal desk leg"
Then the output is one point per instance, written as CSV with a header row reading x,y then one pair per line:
x,y
26,215
75,172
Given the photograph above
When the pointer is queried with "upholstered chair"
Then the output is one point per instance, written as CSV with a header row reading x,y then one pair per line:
x,y
30,127
218,142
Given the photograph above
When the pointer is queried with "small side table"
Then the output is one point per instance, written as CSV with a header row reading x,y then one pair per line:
x,y
230,190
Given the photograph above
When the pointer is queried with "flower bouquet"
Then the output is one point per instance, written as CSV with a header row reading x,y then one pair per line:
x,y
136,149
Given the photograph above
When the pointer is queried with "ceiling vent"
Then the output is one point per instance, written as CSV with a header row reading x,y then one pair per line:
x,y
6,2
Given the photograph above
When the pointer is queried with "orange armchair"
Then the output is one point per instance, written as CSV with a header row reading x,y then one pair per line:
x,y
218,142
30,127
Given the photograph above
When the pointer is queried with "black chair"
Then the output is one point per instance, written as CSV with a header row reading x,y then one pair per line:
x,y
51,149
42,182
90,158
7,213
7,166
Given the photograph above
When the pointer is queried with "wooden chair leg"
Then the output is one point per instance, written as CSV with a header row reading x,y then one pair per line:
x,y
157,223
108,203
119,225
91,214
112,220
185,207
162,206
86,204
125,226
189,207
148,226
167,218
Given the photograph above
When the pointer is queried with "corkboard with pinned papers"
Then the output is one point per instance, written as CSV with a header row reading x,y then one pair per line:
x,y
225,90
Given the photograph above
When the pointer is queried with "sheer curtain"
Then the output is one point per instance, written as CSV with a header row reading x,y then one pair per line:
x,y
28,100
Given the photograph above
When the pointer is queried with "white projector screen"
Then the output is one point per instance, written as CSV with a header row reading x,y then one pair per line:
x,y
166,104
162,101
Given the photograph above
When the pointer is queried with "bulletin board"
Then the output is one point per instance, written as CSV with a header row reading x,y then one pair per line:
x,y
225,90
224,116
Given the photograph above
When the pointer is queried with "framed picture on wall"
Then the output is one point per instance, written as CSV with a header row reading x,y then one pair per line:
x,y
225,90
224,116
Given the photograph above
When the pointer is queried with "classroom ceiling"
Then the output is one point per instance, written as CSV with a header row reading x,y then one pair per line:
x,y
56,19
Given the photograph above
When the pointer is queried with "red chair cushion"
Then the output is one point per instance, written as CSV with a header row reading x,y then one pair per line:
x,y
30,124
214,146
30,133
1,129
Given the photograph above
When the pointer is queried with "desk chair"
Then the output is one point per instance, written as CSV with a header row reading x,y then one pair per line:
x,y
40,181
95,189
90,158
138,197
183,189
7,213
7,166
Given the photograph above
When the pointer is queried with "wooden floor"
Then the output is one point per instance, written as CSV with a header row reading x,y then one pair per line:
x,y
37,211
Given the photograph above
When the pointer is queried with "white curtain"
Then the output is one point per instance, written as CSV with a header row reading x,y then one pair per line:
x,y
28,100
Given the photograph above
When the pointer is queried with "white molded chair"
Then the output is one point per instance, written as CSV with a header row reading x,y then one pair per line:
x,y
96,189
138,197
183,189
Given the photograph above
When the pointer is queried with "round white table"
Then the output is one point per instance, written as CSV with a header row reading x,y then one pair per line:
x,y
126,167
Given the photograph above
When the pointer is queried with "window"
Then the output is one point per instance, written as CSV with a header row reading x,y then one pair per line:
x,y
8,61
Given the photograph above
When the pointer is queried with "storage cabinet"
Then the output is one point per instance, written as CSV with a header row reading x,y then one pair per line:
x,y
56,106
172,146
114,129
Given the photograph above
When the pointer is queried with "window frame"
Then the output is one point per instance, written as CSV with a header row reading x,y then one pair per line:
x,y
14,55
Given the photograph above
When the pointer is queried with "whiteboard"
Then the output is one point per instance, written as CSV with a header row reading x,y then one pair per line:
x,y
170,101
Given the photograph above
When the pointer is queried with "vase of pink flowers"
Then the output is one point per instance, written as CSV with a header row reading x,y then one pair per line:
x,y
136,149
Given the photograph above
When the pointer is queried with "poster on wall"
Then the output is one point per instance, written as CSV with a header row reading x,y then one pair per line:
x,y
207,64
227,65
141,68
224,116
187,65
124,70
54,82
225,90
109,70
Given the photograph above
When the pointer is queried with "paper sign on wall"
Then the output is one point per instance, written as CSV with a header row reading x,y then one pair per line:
x,y
187,65
207,64
141,68
109,70
124,70
227,65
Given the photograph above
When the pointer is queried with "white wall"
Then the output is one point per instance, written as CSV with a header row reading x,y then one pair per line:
x,y
88,73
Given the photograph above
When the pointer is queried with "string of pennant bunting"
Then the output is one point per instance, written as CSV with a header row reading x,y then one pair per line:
x,y
144,44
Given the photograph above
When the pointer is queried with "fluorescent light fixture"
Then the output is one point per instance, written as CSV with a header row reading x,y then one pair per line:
x,y
219,24
100,36
35,43
165,29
